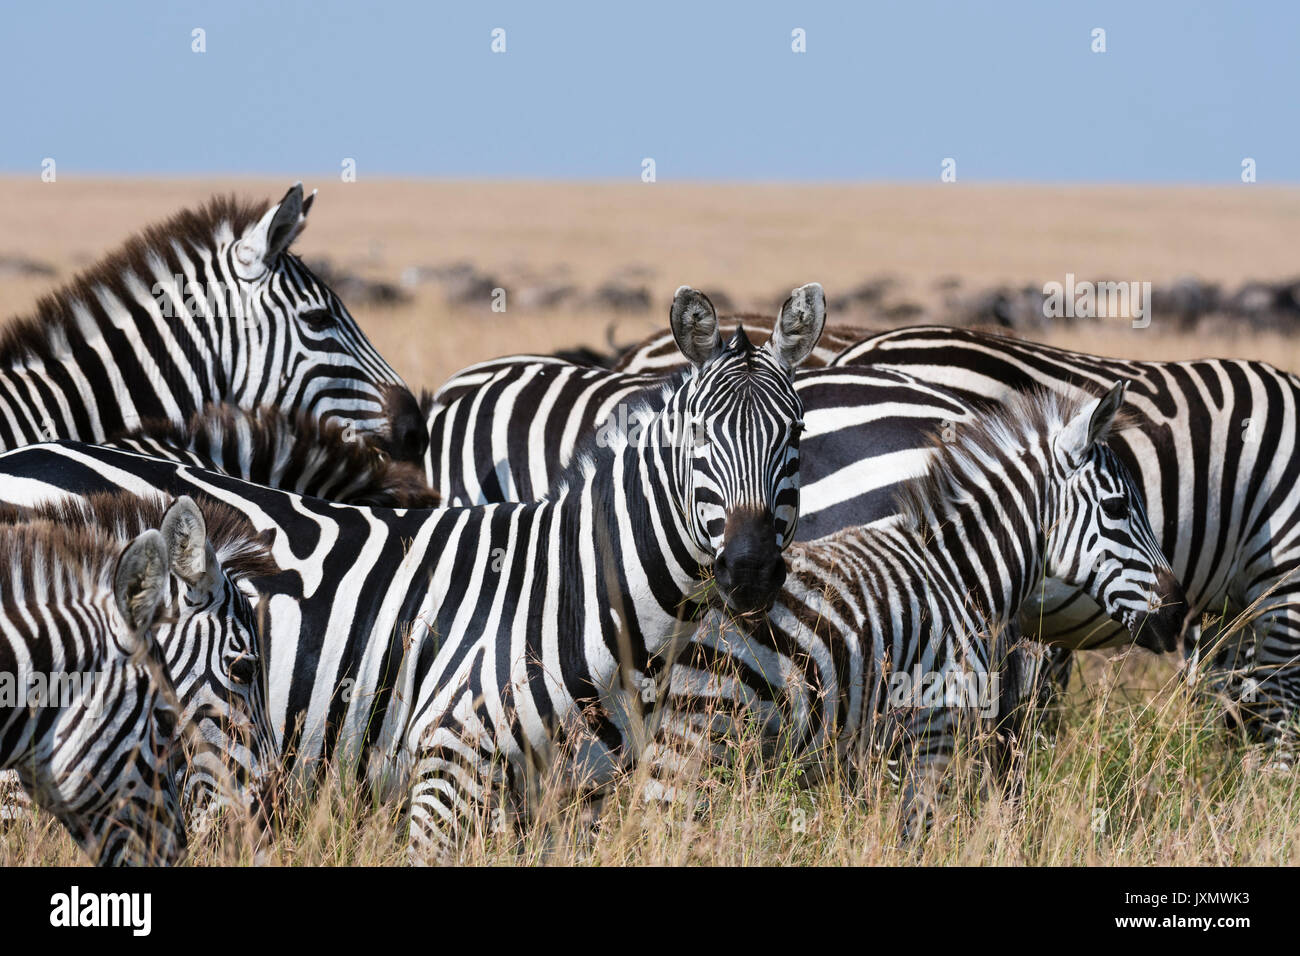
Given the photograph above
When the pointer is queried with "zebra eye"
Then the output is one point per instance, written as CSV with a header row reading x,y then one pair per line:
x,y
1115,508
318,320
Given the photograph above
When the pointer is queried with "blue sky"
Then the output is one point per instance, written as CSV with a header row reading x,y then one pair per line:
x,y
885,91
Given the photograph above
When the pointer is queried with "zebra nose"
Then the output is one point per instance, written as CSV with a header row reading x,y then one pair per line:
x,y
749,569
408,435
1161,628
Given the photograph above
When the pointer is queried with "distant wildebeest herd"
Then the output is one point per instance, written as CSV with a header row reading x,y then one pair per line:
x,y
231,513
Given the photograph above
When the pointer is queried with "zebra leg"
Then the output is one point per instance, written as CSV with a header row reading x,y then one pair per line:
x,y
928,743
687,743
459,790
1268,692
699,725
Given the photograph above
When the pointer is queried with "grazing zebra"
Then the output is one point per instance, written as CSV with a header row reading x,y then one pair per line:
x,y
301,454
88,718
207,633
504,429
578,590
866,612
208,307
1215,451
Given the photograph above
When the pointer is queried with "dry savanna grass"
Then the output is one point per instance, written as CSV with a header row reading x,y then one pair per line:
x,y
1142,769
1139,773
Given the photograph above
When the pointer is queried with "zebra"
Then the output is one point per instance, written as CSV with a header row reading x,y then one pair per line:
x,y
296,453
868,611
206,631
210,306
1216,454
595,578
77,605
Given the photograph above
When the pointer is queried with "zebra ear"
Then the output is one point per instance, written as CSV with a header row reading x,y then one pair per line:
x,y
799,325
186,535
695,325
1090,425
140,580
263,243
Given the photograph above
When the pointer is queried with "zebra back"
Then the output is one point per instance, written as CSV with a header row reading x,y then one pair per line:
x,y
298,453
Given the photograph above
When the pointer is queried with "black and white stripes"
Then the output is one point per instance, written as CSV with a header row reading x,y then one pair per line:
x,y
208,307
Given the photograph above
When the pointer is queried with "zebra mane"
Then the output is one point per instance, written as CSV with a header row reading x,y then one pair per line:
x,y
47,559
992,436
111,520
41,335
301,445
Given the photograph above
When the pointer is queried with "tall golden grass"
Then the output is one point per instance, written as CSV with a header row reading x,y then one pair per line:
x,y
1140,771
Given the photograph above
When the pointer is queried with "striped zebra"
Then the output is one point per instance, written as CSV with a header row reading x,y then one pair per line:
x,y
207,634
96,747
910,628
1216,454
296,453
210,306
578,590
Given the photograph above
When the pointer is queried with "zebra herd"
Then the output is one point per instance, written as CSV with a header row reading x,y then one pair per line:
x,y
232,510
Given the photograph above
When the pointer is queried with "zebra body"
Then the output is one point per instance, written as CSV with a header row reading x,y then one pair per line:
x,y
867,610
99,754
635,522
208,307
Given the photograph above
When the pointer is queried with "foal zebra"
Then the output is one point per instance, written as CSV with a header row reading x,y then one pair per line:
x,y
206,632
576,591
96,749
1216,453
866,611
208,307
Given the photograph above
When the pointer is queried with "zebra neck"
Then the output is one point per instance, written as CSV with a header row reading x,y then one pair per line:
x,y
95,369
990,546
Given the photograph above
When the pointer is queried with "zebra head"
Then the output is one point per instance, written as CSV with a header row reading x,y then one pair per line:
x,y
1100,540
108,770
149,828
296,346
213,652
740,421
